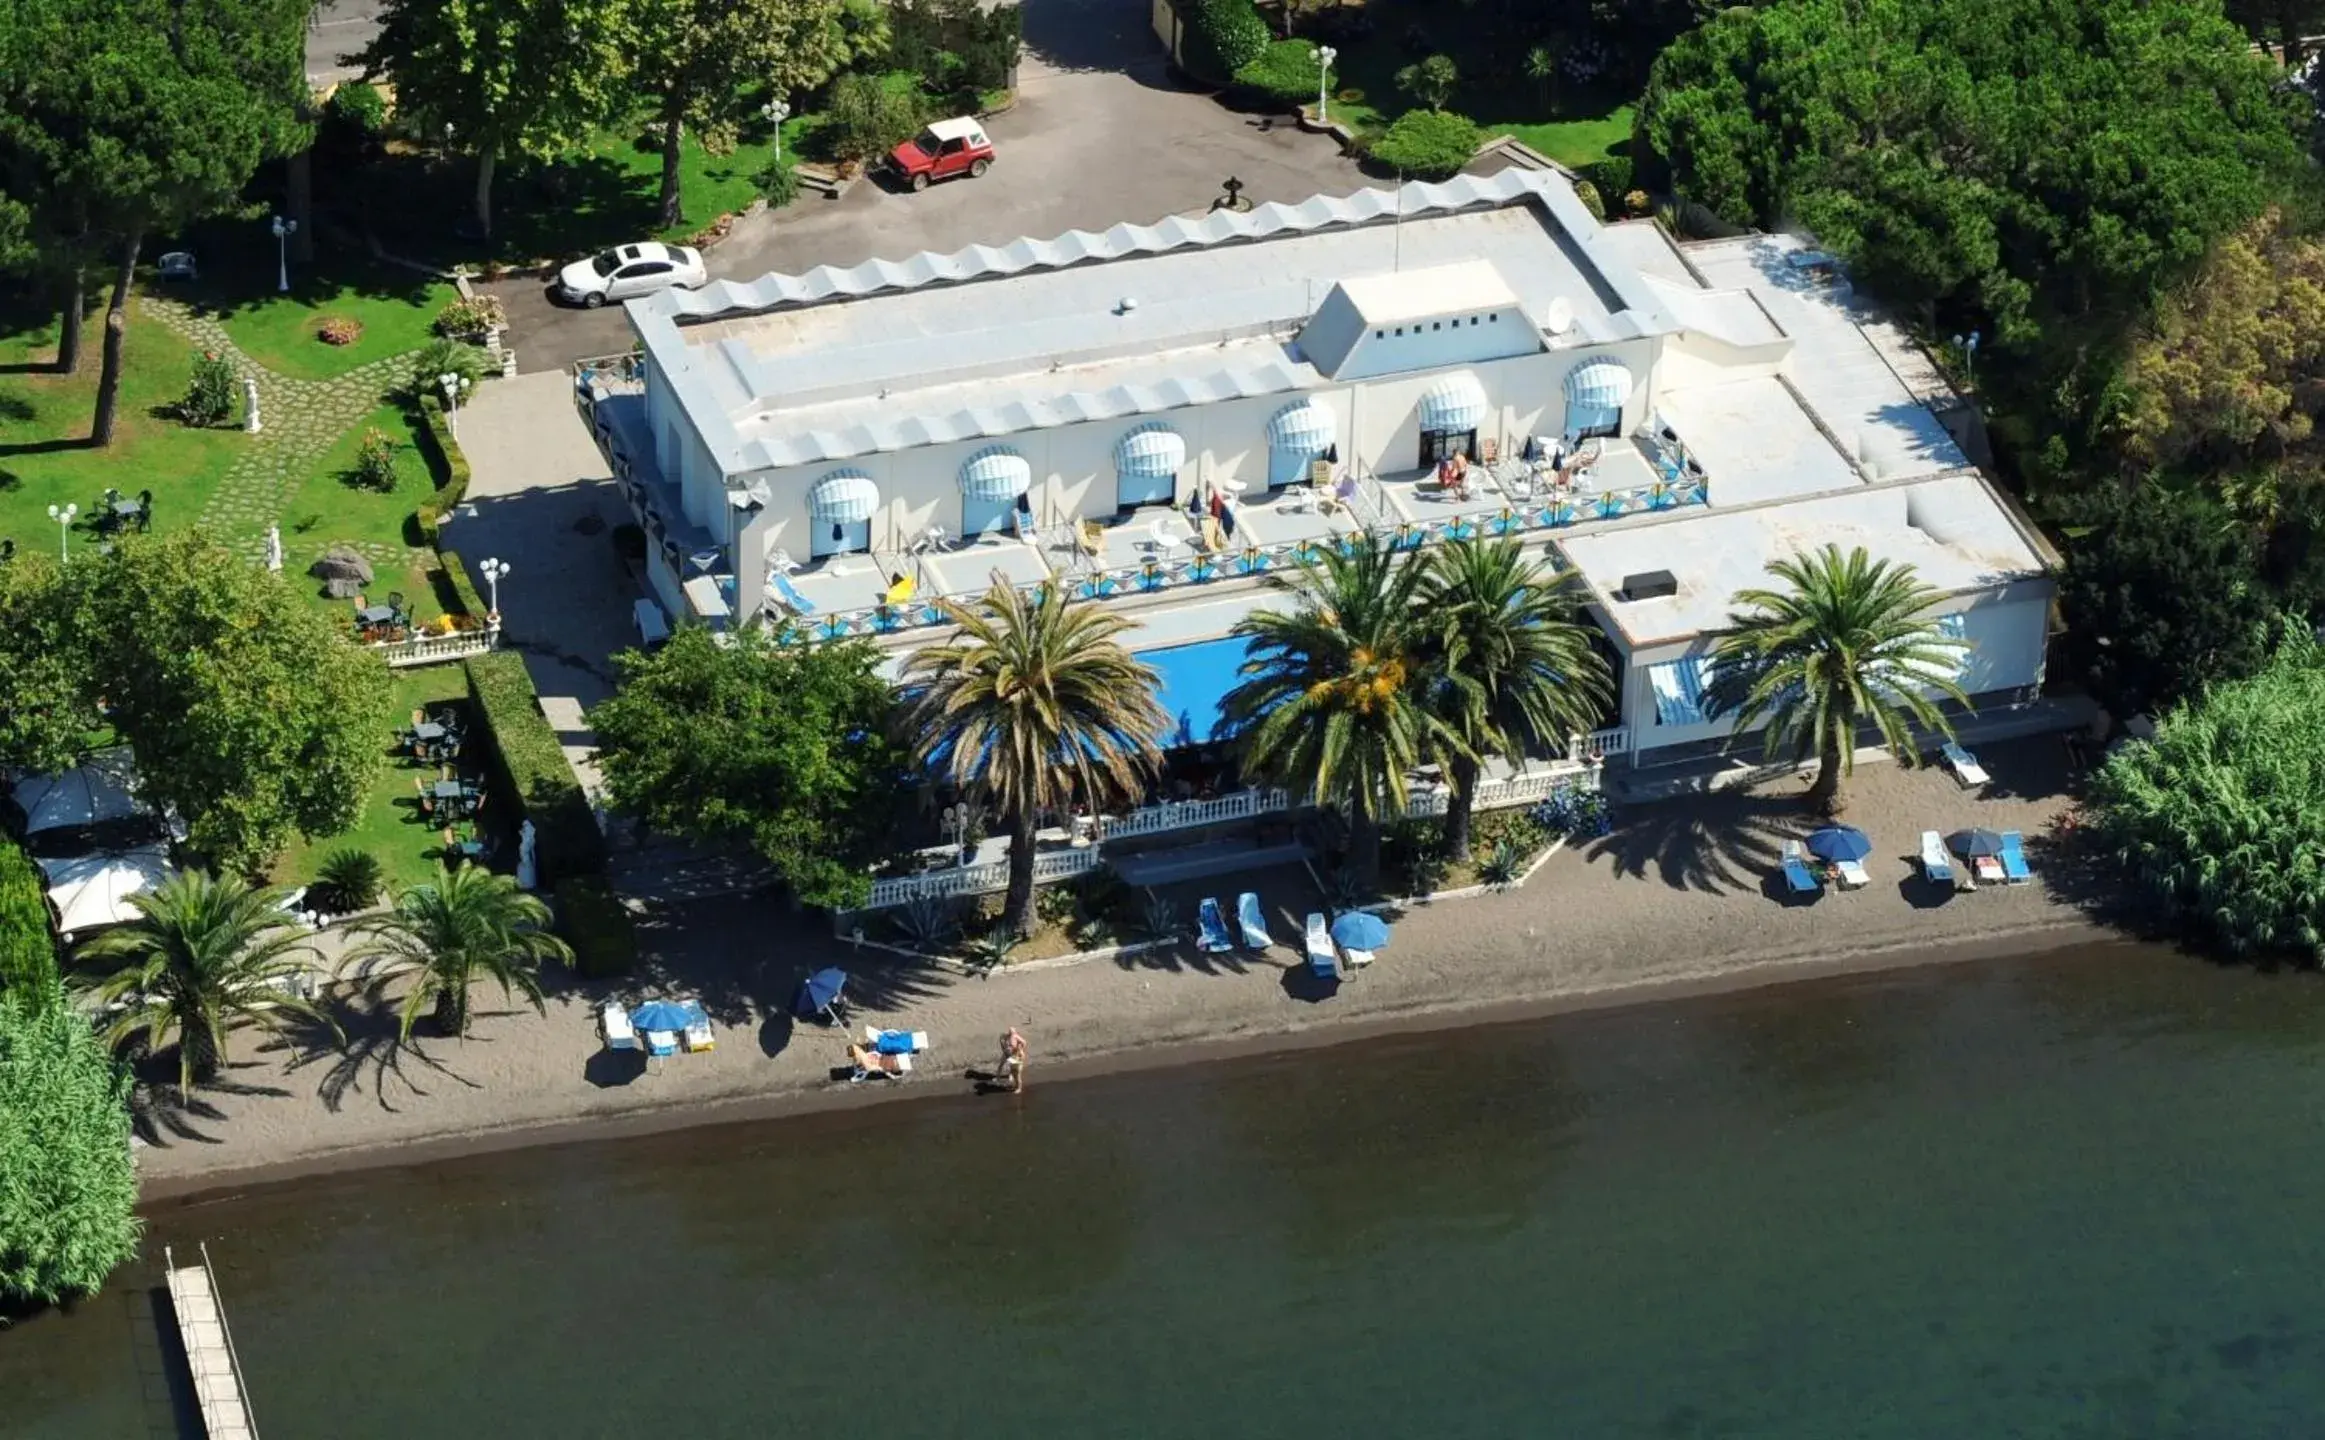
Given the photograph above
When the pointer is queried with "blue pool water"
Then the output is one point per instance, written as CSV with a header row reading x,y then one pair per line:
x,y
1195,678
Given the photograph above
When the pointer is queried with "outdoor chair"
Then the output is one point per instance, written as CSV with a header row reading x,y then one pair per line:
x,y
1797,876
2014,866
427,797
1936,862
1965,765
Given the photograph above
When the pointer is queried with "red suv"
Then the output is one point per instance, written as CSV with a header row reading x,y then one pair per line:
x,y
945,149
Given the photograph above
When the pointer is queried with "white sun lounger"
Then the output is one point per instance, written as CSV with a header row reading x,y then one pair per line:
x,y
1251,921
1323,955
698,1037
800,604
1852,873
615,1021
1936,861
879,1067
1965,765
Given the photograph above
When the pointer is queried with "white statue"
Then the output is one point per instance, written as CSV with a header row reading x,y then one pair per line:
x,y
250,403
274,548
528,869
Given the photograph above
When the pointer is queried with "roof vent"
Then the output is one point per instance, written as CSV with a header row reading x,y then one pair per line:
x,y
1126,304
1652,585
1560,317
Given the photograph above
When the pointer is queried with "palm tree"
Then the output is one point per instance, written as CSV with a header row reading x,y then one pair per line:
x,y
1332,706
1541,66
1036,704
1848,643
446,935
1511,667
203,957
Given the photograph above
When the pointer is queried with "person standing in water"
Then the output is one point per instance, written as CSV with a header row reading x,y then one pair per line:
x,y
1013,1061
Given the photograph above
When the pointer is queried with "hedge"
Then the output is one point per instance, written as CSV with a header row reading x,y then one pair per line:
x,y
463,595
1428,144
1612,176
1222,37
436,435
531,770
28,958
597,925
1285,72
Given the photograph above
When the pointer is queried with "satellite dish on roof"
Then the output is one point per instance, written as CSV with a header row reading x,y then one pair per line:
x,y
1560,317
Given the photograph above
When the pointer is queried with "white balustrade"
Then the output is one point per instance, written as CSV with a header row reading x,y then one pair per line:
x,y
1049,866
1599,744
1187,814
436,649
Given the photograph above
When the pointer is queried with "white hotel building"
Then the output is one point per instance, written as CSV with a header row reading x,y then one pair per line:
x,y
795,445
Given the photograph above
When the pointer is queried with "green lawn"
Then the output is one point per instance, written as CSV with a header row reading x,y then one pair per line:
x,y
327,510
390,827
395,306
44,418
1574,143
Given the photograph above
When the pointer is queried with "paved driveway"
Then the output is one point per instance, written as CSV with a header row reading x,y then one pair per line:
x,y
1099,135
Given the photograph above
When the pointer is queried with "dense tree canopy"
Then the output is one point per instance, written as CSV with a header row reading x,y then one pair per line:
x,y
128,118
2019,161
2161,596
2222,814
506,77
46,714
68,1186
786,748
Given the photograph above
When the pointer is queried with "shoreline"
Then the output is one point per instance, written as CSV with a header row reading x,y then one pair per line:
x,y
585,1121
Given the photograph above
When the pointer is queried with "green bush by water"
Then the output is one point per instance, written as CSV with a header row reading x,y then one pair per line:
x,y
68,1183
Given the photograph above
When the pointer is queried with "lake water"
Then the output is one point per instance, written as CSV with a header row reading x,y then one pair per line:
x,y
2076,1196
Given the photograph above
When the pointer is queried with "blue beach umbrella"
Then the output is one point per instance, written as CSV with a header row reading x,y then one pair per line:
x,y
820,991
1974,842
1838,843
665,1015
1358,930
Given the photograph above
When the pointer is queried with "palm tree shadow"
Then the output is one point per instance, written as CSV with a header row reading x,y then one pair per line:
x,y
1715,843
370,1043
158,1114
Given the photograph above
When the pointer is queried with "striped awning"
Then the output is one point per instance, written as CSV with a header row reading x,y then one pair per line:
x,y
1678,688
844,497
1600,384
1151,452
1305,426
996,473
1454,404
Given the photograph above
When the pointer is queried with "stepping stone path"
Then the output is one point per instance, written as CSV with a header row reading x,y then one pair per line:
x,y
303,419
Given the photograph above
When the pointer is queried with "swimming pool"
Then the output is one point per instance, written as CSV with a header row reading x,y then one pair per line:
x,y
1195,678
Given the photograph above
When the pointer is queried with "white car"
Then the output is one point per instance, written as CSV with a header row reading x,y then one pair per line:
x,y
630,270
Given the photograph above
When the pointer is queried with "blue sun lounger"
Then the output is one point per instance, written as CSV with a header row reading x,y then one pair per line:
x,y
1251,921
1797,876
800,604
2014,867
1213,927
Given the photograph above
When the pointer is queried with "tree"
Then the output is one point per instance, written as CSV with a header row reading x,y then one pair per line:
x,y
1541,67
28,957
46,714
1035,704
445,936
1920,140
2222,815
249,711
1430,80
203,957
702,59
137,116
788,748
68,1182
1333,703
1511,668
2161,594
506,77
1429,143
1846,644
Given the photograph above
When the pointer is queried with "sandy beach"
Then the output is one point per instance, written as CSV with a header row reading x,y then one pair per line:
x,y
1678,899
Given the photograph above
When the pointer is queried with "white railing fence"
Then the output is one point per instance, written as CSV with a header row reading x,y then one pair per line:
x,y
1186,814
436,649
1598,745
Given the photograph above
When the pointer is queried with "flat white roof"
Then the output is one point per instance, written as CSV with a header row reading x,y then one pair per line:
x,y
1954,531
1755,442
1415,293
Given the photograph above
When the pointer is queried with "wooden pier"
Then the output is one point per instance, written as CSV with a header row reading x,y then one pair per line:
x,y
209,1347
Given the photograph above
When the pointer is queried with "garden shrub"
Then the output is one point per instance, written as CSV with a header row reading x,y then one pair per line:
x,y
357,107
2221,817
1428,144
599,927
68,1183
339,330
529,768
778,180
442,453
463,597
28,958
375,461
210,394
866,116
348,882
1223,36
956,48
1580,814
1430,80
1637,202
470,317
439,358
1285,72
1587,193
1610,176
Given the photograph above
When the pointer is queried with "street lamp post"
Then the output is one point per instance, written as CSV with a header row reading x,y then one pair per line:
x,y
493,570
64,519
283,230
776,112
1325,55
455,386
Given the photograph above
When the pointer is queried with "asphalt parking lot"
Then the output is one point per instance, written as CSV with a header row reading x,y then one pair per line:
x,y
1100,135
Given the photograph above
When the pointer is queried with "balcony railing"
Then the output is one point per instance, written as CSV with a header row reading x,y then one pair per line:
x,y
436,649
1187,814
1599,744
1049,866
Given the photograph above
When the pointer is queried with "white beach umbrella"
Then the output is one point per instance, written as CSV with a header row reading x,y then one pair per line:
x,y
92,890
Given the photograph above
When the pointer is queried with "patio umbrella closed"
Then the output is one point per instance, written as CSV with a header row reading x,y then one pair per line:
x,y
1838,843
1974,842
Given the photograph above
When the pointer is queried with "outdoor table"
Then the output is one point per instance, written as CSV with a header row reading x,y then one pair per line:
x,y
128,509
376,615
449,790
427,730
